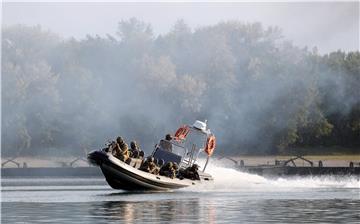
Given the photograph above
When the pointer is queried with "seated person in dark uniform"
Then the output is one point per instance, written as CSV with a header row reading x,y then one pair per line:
x,y
135,150
150,166
190,173
168,170
166,144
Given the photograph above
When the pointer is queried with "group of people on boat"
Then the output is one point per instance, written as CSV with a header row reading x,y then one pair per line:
x,y
170,169
120,150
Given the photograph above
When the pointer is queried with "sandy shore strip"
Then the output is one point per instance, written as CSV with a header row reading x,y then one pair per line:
x,y
327,160
45,162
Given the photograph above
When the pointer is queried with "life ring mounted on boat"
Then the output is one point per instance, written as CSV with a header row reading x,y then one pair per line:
x,y
210,145
182,132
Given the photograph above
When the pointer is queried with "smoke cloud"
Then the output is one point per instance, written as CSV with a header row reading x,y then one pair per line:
x,y
258,91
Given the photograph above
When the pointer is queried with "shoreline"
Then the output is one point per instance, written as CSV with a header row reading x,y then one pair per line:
x,y
328,160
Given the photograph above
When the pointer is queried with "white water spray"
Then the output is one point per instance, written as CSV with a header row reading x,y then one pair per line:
x,y
229,179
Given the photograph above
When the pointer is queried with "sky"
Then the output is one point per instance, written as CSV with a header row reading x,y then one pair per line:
x,y
327,25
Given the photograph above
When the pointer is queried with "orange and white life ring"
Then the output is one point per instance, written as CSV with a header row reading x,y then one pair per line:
x,y
210,145
182,132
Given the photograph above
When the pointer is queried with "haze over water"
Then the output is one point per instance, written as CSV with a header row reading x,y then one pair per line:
x,y
234,197
269,78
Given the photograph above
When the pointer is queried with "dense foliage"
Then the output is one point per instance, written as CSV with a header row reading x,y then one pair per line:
x,y
259,92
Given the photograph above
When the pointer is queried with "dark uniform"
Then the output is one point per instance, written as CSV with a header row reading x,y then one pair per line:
x,y
150,166
191,172
176,169
169,170
166,144
154,169
124,155
134,150
120,149
145,165
114,148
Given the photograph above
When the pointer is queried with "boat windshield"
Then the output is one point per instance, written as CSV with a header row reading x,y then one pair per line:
x,y
195,139
184,153
178,150
169,152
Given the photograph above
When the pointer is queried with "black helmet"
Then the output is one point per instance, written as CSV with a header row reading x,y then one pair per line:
x,y
119,140
168,137
133,145
195,166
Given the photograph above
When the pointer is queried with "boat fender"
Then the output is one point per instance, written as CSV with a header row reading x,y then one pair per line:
x,y
242,164
182,132
320,163
210,145
351,164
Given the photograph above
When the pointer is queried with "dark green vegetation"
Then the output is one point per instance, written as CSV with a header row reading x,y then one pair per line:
x,y
260,93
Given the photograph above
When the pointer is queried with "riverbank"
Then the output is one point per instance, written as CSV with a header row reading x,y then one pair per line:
x,y
327,160
44,162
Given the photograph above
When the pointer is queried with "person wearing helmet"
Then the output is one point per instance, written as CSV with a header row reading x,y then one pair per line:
x,y
176,166
134,150
124,153
150,166
169,170
173,170
164,171
120,140
192,172
145,165
156,170
114,148
153,168
166,144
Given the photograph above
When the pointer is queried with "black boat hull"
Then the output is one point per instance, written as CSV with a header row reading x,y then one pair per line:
x,y
120,175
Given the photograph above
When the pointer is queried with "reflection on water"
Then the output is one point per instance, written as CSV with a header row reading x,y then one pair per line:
x,y
233,198
162,211
167,210
191,210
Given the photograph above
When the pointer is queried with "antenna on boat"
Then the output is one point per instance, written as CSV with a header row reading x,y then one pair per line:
x,y
206,163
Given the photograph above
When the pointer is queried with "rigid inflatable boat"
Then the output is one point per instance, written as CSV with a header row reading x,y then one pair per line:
x,y
188,145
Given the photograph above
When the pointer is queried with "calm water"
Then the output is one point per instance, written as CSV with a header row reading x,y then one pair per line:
x,y
233,198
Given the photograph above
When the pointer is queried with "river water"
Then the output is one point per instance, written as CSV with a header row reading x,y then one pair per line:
x,y
234,197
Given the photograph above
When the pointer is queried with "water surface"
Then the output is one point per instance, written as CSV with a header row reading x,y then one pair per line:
x,y
234,197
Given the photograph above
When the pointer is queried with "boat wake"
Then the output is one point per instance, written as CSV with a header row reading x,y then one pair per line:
x,y
229,179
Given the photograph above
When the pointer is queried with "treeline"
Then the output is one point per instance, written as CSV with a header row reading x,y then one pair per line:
x,y
259,92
